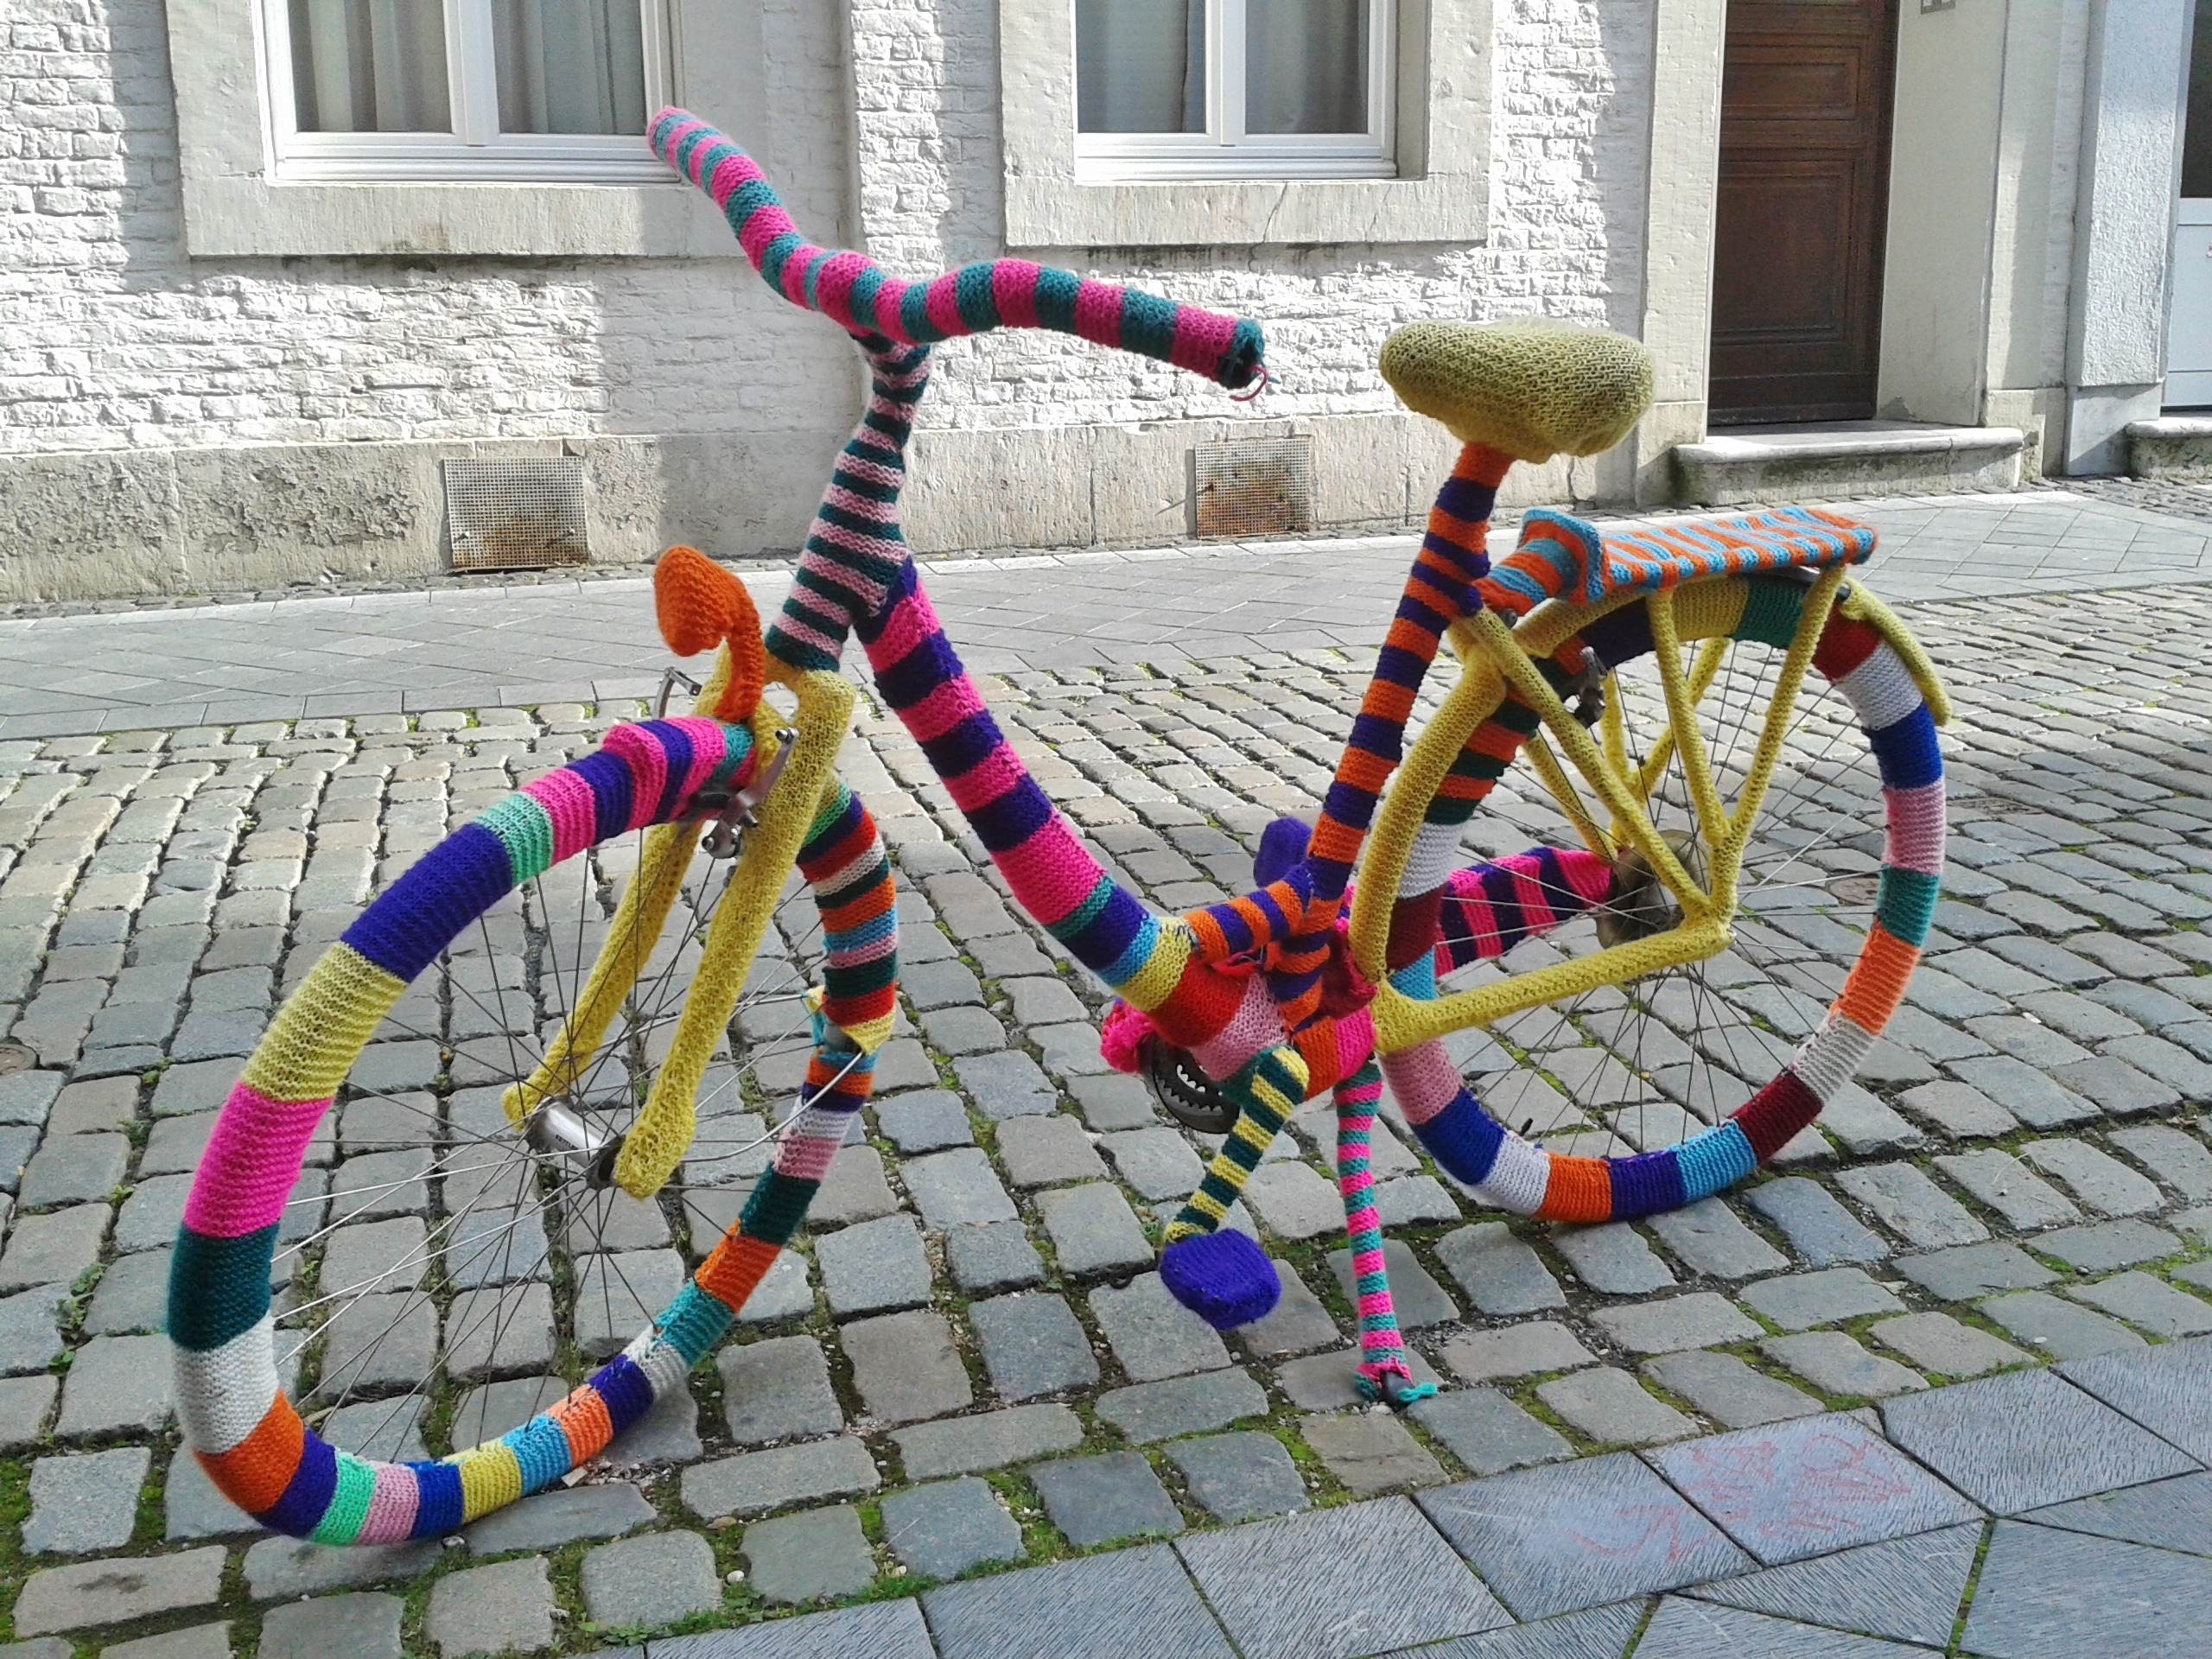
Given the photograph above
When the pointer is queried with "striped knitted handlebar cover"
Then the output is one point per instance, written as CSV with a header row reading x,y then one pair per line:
x,y
852,290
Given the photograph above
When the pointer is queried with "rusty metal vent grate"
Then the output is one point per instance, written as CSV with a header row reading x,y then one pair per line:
x,y
1253,487
516,515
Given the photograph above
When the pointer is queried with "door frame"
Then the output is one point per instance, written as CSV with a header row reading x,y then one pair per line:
x,y
1865,308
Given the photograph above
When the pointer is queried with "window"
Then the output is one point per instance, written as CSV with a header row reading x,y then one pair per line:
x,y
1234,88
466,90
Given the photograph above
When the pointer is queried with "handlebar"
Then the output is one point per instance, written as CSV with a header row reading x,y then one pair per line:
x,y
854,291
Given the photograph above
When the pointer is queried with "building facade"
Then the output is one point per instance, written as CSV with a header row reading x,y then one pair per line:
x,y
270,268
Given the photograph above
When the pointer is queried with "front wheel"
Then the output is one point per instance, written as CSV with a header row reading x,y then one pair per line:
x,y
448,1246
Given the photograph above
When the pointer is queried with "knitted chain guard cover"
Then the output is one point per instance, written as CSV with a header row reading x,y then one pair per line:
x,y
235,1416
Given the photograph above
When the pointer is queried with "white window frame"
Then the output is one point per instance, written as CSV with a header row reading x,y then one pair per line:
x,y
475,149
1226,151
1437,192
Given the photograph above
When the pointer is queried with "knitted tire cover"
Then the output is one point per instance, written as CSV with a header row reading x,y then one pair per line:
x,y
235,1416
1514,1174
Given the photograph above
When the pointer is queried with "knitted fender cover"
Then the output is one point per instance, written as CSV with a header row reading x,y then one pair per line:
x,y
235,1416
1513,1174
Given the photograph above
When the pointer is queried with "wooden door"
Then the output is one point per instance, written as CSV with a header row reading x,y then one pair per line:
x,y
1804,196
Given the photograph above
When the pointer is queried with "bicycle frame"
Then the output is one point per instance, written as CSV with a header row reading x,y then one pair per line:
x,y
1266,1038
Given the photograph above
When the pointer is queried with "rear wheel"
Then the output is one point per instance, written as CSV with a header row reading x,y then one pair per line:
x,y
1623,1063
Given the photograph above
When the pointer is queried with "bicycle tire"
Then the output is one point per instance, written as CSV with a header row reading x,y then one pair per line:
x,y
237,1417
1856,659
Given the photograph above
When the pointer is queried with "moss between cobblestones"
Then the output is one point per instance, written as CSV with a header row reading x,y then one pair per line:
x,y
14,1509
1974,1586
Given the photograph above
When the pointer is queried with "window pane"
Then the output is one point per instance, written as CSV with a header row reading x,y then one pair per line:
x,y
569,65
1140,65
1306,66
369,66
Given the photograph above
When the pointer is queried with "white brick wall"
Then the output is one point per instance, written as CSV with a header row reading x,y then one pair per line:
x,y
1572,119
111,338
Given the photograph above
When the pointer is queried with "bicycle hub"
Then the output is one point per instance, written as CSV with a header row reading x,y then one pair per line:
x,y
1637,904
584,1151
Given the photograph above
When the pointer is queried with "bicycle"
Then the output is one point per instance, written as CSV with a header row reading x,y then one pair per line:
x,y
1239,1012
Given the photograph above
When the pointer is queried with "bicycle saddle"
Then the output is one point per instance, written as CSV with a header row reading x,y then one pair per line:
x,y
1528,389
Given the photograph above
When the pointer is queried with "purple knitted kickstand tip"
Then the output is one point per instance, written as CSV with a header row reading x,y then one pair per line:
x,y
1224,1278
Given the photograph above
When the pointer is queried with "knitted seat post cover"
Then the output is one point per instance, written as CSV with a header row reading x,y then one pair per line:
x,y
236,1418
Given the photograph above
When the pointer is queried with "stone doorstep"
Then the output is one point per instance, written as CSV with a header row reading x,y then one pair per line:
x,y
1750,465
2171,446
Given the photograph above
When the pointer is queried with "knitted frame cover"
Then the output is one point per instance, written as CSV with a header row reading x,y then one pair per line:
x,y
1266,1037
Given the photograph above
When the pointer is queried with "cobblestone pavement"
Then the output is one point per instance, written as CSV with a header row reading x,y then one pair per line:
x,y
553,641
1940,1383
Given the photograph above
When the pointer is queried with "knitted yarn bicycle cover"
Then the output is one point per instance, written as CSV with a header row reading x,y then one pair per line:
x,y
699,605
1531,390
235,1414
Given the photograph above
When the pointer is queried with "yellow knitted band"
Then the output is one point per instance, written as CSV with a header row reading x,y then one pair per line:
x,y
1727,856
1401,1022
1207,1205
490,1478
1709,610
1152,984
662,1134
323,1028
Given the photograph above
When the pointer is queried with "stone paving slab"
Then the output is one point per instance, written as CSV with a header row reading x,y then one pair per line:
x,y
1809,1487
1133,1603
1684,1629
1573,1535
1600,1633
2058,1442
2173,1514
1370,1576
888,1630
2168,1389
1906,1589
2051,1594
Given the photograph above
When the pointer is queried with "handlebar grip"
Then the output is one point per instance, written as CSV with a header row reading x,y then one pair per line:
x,y
854,291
